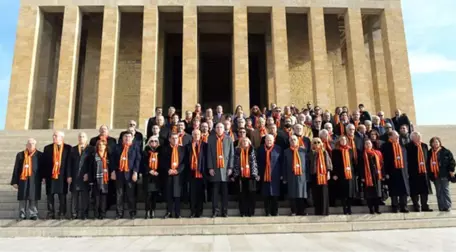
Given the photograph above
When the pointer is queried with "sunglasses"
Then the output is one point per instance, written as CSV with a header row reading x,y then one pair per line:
x,y
154,141
316,142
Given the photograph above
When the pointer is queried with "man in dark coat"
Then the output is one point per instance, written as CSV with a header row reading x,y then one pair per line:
x,y
220,164
56,159
78,177
172,166
280,138
138,137
27,180
270,176
396,169
153,121
401,119
420,187
127,159
104,133
296,175
364,114
196,165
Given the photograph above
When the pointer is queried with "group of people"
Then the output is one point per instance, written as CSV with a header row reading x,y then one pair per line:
x,y
309,157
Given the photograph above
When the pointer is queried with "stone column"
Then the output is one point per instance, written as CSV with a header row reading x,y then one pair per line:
x,y
377,63
396,62
24,68
190,59
280,53
323,88
240,58
68,69
108,66
147,94
270,69
357,64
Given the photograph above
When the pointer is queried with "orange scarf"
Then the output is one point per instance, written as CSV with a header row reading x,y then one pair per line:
x,y
181,136
245,165
257,122
336,119
322,176
356,123
351,142
342,128
263,131
277,123
297,170
382,122
267,170
231,135
398,158
220,157
301,142
435,162
57,159
204,137
104,161
327,145
195,155
174,157
421,161
123,167
367,171
174,129
345,150
27,165
153,160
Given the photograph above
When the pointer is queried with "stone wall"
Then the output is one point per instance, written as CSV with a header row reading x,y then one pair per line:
x,y
126,103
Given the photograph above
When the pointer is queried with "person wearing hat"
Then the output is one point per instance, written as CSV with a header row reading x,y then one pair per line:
x,y
364,114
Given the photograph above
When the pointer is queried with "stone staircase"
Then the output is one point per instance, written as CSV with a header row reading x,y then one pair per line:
x,y
13,141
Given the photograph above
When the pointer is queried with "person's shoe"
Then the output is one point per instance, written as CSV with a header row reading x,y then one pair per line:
x,y
416,209
167,215
214,215
446,210
224,215
394,210
34,218
378,212
404,210
371,211
146,216
426,209
177,216
118,217
192,216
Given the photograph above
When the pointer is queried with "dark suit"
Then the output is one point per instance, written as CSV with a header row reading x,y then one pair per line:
x,y
173,183
80,165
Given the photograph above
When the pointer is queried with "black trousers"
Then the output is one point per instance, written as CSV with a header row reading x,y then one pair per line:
x,y
424,201
80,203
271,206
196,196
101,202
346,204
373,204
151,201
399,201
222,188
298,206
247,202
173,201
129,188
321,199
51,204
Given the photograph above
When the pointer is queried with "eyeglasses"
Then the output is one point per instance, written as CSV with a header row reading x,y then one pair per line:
x,y
154,141
132,124
316,142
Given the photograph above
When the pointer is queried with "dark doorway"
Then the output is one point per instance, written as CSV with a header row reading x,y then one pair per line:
x,y
172,85
258,87
215,75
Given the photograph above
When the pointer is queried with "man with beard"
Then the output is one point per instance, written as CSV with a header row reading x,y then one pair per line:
x,y
288,127
404,137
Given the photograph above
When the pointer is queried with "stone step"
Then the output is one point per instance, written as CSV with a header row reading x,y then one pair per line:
x,y
224,226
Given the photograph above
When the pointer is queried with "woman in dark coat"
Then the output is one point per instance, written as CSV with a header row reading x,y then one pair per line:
x,y
420,187
100,169
269,157
151,181
344,173
374,136
442,165
245,174
320,168
372,176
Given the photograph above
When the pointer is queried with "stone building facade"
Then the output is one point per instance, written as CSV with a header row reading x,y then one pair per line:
x,y
83,63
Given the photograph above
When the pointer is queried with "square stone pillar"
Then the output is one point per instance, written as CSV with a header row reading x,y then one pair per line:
x,y
270,69
108,66
23,73
377,63
240,58
280,53
190,88
148,88
397,63
357,64
323,89
68,68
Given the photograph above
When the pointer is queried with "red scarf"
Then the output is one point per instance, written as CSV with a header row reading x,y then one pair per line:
x,y
398,157
57,159
245,164
123,167
296,163
220,157
435,162
421,161
267,170
345,150
322,176
367,171
104,161
153,160
204,137
352,144
195,155
27,165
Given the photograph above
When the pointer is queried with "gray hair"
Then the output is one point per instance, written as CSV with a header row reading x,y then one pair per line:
x,y
350,126
327,125
415,134
367,122
323,134
31,140
60,133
